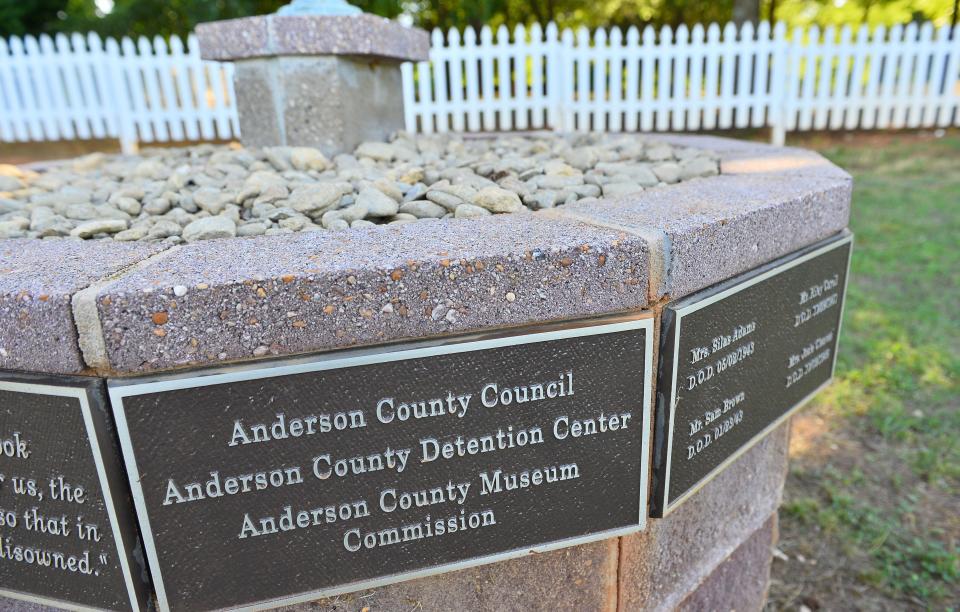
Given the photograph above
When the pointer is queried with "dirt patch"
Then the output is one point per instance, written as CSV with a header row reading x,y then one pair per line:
x,y
844,487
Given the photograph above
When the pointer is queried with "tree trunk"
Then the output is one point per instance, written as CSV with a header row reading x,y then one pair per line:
x,y
746,10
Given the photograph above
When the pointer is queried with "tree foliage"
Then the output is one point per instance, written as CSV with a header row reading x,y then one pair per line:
x,y
168,17
18,17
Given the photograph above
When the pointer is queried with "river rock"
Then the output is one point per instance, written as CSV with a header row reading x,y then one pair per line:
x,y
89,229
129,235
612,190
668,172
470,211
497,200
696,167
313,200
211,199
209,229
10,183
423,209
377,203
15,228
281,190
308,158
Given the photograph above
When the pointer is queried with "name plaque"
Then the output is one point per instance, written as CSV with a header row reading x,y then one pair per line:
x,y
67,534
738,359
271,485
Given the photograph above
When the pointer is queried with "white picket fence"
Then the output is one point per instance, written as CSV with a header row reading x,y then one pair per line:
x,y
539,78
84,87
687,80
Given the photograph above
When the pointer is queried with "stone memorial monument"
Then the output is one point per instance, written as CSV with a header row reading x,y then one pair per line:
x,y
318,73
557,377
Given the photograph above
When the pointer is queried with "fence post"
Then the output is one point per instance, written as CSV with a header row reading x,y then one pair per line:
x,y
780,74
116,86
555,65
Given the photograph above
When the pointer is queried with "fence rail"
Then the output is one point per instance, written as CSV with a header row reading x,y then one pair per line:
x,y
532,78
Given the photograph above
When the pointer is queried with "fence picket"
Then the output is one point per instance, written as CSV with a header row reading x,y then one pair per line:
x,y
615,57
503,95
679,99
597,85
712,72
537,99
196,72
517,84
72,106
891,62
221,83
727,75
824,78
781,70
647,66
904,70
855,92
950,110
485,68
840,80
441,105
920,73
663,77
938,90
743,75
759,97
186,98
36,84
12,124
631,94
455,63
472,79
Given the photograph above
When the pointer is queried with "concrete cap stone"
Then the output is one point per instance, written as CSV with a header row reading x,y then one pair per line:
x,y
748,157
350,35
227,300
713,228
38,278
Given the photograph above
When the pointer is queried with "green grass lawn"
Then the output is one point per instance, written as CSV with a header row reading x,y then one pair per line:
x,y
871,513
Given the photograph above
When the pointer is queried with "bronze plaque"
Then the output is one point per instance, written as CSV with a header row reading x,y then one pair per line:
x,y
67,531
738,358
276,484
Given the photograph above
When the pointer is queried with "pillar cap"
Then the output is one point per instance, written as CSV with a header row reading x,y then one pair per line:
x,y
361,35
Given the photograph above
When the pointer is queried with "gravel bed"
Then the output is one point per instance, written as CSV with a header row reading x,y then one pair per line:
x,y
206,191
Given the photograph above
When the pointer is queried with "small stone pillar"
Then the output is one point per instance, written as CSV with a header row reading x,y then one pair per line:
x,y
320,74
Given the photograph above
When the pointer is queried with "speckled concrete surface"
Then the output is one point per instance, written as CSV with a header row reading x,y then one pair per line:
x,y
578,579
272,35
718,227
16,605
37,281
749,157
740,582
660,566
238,299
331,103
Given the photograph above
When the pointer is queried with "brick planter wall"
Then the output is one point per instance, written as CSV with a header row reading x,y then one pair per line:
x,y
93,308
